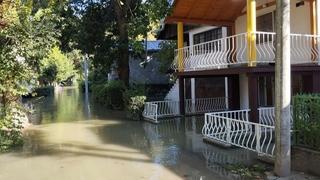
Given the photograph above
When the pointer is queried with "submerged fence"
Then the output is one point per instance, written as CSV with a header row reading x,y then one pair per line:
x,y
162,109
233,128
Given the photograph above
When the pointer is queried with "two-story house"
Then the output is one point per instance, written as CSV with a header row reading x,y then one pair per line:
x,y
226,49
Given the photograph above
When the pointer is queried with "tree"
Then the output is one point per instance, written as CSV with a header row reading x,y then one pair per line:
x,y
134,18
165,55
283,89
119,27
56,67
24,41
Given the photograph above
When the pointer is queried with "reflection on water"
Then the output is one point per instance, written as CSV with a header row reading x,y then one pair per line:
x,y
107,146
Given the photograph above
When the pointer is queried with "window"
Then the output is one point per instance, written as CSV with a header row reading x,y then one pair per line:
x,y
266,91
266,22
207,36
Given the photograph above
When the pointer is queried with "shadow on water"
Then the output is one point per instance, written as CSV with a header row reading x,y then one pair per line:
x,y
175,144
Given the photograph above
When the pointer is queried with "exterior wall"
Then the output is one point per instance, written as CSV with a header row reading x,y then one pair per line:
x,y
300,18
146,75
203,29
209,87
244,91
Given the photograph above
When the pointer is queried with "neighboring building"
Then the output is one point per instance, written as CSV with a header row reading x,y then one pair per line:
x,y
145,69
221,55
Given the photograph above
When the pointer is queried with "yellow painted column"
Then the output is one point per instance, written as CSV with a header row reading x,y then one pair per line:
x,y
251,29
313,23
180,46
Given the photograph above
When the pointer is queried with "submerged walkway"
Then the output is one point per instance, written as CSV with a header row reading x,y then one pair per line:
x,y
67,146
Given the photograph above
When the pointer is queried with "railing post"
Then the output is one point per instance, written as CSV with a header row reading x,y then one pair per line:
x,y
226,89
258,137
228,130
205,124
181,96
156,111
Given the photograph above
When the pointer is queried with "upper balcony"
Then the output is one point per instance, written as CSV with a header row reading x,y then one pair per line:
x,y
246,49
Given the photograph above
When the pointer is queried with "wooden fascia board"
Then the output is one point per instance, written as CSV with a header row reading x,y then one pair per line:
x,y
173,20
259,7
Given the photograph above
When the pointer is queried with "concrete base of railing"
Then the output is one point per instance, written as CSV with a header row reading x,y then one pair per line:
x,y
216,142
151,120
266,159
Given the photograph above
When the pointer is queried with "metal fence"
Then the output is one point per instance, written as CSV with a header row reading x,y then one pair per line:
x,y
155,110
159,109
238,131
267,116
232,50
203,105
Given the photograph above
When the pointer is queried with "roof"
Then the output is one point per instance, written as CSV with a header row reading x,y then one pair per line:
x,y
153,45
210,12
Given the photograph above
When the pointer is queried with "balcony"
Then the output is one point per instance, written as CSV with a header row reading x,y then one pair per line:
x,y
232,51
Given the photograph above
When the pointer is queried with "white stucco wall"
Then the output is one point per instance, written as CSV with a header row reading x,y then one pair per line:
x,y
191,42
244,91
300,17
203,29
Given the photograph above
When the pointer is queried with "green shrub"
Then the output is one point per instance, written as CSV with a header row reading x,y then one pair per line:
x,y
306,118
44,91
11,120
109,94
134,99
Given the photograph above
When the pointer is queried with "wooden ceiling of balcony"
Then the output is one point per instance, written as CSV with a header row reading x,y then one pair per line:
x,y
210,12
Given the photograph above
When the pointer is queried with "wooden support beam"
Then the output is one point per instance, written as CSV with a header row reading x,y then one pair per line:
x,y
316,82
253,97
181,96
234,95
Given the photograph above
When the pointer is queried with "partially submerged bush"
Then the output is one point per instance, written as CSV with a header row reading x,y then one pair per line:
x,y
109,94
11,125
134,101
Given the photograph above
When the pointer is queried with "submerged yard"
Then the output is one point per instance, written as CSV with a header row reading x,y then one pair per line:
x,y
75,141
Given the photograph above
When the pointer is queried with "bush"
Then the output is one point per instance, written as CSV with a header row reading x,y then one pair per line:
x,y
306,118
11,125
109,94
44,91
134,101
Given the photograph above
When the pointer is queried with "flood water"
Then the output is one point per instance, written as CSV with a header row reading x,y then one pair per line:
x,y
71,140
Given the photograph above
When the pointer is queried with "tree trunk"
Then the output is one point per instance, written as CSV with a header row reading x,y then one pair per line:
x,y
122,22
283,89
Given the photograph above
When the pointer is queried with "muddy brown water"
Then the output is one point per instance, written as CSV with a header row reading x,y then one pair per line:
x,y
73,141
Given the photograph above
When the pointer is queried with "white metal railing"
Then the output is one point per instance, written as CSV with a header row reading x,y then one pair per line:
x,y
203,105
151,111
158,109
232,50
267,116
213,54
304,49
212,127
240,132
